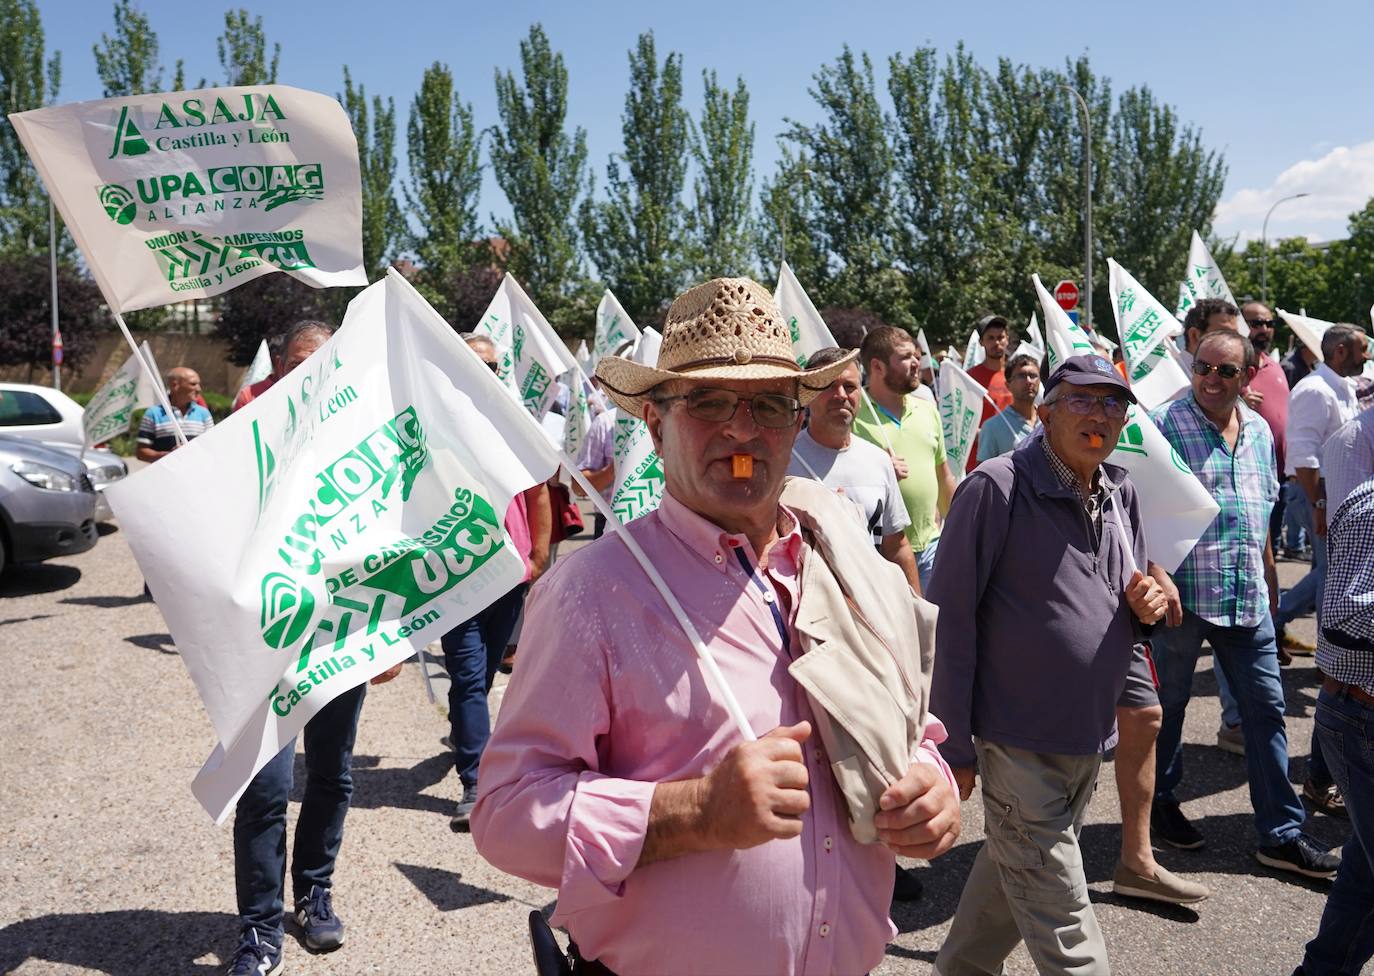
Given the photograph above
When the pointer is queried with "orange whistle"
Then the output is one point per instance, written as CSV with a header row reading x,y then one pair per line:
x,y
742,465
1094,440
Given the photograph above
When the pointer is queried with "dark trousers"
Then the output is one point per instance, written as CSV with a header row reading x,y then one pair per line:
x,y
472,653
260,818
1345,940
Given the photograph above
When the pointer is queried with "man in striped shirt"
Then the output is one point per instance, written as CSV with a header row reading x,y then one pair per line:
x,y
1228,590
157,430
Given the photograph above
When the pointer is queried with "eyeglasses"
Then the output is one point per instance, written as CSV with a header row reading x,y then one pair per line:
x,y
1262,323
719,406
1227,371
1083,404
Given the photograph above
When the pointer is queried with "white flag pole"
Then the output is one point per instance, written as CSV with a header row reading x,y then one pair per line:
x,y
708,663
153,378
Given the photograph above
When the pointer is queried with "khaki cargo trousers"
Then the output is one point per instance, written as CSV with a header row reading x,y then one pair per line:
x,y
1027,882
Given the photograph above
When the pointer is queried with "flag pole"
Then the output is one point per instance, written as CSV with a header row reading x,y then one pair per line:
x,y
153,378
708,663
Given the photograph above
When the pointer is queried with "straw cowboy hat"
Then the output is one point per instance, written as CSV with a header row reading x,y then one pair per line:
x,y
725,329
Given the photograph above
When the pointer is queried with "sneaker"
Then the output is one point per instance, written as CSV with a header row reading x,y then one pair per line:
x,y
324,931
1301,855
906,886
254,957
1170,825
1325,799
1296,646
461,820
1165,886
1230,739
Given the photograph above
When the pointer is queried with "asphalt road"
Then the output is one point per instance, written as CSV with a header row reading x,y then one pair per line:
x,y
108,865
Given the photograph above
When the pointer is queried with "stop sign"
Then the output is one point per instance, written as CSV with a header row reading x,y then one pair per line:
x,y
1066,294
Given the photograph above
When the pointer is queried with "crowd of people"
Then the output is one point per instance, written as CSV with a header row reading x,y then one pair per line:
x,y
879,636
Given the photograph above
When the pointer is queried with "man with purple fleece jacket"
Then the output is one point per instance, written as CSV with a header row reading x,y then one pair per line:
x,y
1041,605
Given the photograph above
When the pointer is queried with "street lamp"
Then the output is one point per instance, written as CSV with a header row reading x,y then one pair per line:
x,y
1264,248
1087,201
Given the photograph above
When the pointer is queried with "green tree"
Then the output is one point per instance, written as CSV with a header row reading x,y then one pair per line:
x,y
384,227
243,51
1300,275
543,172
1161,184
636,237
127,62
445,182
852,178
1351,271
26,310
786,226
28,80
723,148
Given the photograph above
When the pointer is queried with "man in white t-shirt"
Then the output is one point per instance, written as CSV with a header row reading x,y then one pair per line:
x,y
826,451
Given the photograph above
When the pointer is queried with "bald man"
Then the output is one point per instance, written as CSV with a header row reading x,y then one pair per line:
x,y
157,432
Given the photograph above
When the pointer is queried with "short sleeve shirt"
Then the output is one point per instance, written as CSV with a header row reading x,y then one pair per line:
x,y
860,473
156,429
916,438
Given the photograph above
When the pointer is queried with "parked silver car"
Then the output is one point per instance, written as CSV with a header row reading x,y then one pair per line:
x,y
47,503
51,418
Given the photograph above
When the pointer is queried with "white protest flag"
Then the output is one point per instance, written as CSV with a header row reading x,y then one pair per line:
x,y
526,360
1028,349
1064,337
960,398
260,368
922,344
582,356
110,409
638,468
187,194
317,537
150,382
809,331
974,353
1174,507
1306,328
1033,333
1203,279
614,328
1145,327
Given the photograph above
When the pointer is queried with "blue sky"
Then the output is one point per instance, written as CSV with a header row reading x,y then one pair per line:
x,y
1284,90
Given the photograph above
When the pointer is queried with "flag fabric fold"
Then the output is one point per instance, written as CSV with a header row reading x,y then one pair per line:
x,y
527,360
111,408
1146,328
960,398
639,481
1062,335
260,368
321,534
614,328
1306,328
1204,280
809,331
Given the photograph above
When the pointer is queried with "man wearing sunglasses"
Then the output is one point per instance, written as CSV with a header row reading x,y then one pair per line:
x,y
1043,614
615,772
1229,591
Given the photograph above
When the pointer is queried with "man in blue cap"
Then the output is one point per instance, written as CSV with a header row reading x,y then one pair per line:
x,y
1043,610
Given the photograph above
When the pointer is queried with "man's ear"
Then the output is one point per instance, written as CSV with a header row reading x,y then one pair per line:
x,y
653,419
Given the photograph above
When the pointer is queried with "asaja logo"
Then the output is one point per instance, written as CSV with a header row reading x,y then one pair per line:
x,y
287,609
118,203
128,141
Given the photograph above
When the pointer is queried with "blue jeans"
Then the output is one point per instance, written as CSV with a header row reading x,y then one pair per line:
x,y
260,818
1345,940
1306,595
1249,658
925,563
472,653
1293,515
1230,708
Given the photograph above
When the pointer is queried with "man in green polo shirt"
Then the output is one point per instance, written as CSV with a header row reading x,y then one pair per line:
x,y
908,428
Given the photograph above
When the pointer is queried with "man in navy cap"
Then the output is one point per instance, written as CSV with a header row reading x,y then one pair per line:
x,y
1043,609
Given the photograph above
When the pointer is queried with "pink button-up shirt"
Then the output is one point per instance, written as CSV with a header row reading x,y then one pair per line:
x,y
609,700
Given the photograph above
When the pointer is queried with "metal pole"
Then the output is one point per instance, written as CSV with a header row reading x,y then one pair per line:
x,y
1264,248
1087,206
52,265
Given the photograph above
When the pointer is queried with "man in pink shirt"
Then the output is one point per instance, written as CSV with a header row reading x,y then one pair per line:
x,y
615,773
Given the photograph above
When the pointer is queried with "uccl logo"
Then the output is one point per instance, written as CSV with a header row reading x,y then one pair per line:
x,y
287,609
118,203
128,141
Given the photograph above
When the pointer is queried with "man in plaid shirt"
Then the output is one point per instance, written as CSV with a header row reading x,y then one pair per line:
x,y
1345,719
1228,590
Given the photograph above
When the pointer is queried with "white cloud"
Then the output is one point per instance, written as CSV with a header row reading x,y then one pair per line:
x,y
1339,182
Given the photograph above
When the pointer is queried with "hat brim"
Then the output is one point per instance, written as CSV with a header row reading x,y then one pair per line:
x,y
1088,379
629,383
